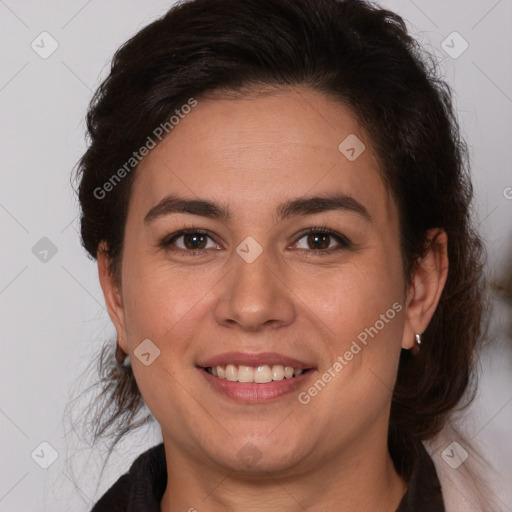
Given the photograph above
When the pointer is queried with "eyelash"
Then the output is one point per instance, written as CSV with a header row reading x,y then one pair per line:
x,y
344,242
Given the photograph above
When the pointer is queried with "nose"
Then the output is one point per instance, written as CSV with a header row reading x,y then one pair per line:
x,y
254,297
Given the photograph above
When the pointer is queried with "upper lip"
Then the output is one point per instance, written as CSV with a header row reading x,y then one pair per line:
x,y
254,359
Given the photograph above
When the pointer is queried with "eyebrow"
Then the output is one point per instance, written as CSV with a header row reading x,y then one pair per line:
x,y
299,206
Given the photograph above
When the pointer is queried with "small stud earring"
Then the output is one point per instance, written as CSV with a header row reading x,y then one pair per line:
x,y
417,344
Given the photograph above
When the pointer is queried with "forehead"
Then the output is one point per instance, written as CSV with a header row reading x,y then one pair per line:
x,y
258,149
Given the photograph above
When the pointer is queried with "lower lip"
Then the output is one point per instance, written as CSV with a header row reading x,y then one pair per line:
x,y
252,392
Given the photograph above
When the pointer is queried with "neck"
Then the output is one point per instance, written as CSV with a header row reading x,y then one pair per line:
x,y
354,480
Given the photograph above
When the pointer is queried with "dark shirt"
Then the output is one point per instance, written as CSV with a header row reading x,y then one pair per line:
x,y
142,488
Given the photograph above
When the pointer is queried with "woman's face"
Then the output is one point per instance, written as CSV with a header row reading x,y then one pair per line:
x,y
255,286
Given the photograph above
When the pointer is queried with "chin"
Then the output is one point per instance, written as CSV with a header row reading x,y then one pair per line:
x,y
259,455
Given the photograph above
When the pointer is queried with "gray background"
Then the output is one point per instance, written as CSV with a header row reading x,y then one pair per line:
x,y
52,310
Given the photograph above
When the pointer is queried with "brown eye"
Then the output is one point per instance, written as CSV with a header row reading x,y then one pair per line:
x,y
189,240
194,241
321,240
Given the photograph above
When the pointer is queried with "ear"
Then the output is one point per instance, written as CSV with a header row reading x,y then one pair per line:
x,y
112,293
427,284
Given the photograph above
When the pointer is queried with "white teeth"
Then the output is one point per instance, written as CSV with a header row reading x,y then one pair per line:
x,y
260,374
277,372
245,374
231,373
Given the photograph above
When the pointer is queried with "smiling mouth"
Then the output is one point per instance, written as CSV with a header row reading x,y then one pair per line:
x,y
261,374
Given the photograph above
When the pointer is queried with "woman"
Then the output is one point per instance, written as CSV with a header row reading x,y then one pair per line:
x,y
278,198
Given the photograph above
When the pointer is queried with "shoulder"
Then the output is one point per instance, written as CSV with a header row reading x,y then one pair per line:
x,y
464,474
424,493
116,498
141,488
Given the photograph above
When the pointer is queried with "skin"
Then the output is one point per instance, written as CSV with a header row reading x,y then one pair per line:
x,y
251,154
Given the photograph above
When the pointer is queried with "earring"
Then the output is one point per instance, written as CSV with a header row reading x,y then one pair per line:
x,y
417,343
121,355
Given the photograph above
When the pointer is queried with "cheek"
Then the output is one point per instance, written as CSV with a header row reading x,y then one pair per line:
x,y
352,299
163,304
360,312
363,322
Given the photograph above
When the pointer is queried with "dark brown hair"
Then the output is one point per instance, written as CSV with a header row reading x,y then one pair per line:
x,y
356,53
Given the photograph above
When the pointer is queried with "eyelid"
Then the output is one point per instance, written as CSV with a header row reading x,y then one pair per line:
x,y
169,239
342,240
